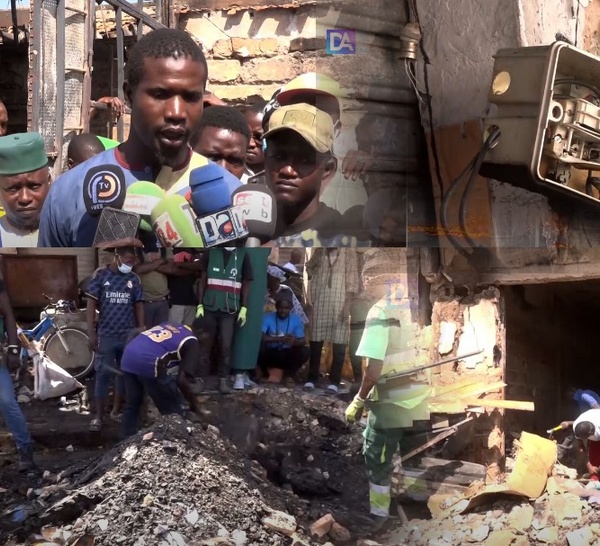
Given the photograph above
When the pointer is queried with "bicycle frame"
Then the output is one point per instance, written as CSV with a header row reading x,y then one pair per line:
x,y
36,333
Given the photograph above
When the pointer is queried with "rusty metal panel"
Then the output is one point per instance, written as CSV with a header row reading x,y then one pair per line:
x,y
27,278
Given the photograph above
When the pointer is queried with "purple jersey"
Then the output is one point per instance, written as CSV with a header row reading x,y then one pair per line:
x,y
156,351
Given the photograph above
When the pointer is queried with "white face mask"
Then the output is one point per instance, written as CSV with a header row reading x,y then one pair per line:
x,y
125,268
230,248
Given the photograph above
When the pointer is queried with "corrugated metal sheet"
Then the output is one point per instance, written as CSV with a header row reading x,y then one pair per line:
x,y
86,257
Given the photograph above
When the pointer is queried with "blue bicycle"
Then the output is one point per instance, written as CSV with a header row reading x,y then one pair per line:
x,y
66,346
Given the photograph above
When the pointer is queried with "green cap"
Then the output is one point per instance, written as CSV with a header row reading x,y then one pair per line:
x,y
108,143
22,153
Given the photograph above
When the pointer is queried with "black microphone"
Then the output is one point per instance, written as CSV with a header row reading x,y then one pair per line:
x,y
259,211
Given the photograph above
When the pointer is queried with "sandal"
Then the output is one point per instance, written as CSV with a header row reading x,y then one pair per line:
x,y
95,425
309,386
332,389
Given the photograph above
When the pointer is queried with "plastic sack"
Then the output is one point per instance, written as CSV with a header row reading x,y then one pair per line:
x,y
51,381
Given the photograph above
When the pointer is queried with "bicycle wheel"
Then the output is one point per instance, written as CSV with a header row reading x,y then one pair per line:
x,y
79,361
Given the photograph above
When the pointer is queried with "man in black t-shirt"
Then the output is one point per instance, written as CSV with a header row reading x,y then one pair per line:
x,y
298,158
183,275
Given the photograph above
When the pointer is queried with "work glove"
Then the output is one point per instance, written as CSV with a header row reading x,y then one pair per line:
x,y
355,409
242,316
200,311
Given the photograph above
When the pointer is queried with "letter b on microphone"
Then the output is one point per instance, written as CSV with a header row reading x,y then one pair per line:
x,y
222,227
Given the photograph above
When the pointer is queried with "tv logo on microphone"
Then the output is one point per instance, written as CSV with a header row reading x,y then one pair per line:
x,y
103,186
340,42
254,205
222,227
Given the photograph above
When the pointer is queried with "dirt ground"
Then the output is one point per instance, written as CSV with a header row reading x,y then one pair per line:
x,y
272,449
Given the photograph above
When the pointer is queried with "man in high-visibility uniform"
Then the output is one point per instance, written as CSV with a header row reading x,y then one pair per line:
x,y
390,345
223,291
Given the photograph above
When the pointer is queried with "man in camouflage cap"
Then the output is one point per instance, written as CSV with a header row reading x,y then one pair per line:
x,y
24,185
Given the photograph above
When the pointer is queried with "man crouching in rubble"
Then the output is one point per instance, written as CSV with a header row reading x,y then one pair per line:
x,y
587,427
389,344
9,407
161,362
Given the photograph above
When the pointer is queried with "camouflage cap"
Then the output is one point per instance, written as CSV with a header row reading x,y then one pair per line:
x,y
312,124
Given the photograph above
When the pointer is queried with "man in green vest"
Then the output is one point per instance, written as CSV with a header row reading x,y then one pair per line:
x,y
390,345
223,290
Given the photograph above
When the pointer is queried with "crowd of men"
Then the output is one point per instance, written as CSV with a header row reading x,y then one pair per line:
x,y
269,329
295,143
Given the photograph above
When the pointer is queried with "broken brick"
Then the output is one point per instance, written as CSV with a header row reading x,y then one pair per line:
x,y
322,526
521,518
280,522
307,44
339,533
580,537
549,535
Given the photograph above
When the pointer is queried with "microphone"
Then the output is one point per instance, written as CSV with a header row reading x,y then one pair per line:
x,y
141,197
175,223
259,211
219,223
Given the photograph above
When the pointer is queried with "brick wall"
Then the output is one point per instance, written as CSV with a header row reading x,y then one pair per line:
x,y
251,54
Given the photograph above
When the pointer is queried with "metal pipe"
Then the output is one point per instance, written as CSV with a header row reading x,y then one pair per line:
x,y
120,68
60,83
412,371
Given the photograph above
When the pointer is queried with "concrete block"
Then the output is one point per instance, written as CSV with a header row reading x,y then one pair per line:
x,y
280,522
248,47
222,48
243,92
277,69
447,333
479,332
307,44
223,71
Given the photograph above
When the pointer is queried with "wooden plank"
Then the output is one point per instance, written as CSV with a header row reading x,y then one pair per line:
x,y
465,467
472,391
518,405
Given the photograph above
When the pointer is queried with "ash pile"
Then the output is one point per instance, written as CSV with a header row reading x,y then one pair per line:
x,y
173,484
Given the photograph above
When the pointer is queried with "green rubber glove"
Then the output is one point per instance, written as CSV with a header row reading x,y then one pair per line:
x,y
200,311
242,316
355,409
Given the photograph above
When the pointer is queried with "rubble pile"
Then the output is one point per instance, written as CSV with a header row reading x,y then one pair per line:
x,y
174,484
566,515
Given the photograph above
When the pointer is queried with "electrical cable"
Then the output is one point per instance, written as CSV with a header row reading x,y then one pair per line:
x,y
489,143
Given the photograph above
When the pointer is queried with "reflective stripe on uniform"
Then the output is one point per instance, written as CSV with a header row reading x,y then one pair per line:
x,y
380,499
219,284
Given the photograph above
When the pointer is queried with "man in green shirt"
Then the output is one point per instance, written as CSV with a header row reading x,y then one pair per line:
x,y
389,344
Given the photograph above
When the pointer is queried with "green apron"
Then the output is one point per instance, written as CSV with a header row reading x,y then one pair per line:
x,y
246,340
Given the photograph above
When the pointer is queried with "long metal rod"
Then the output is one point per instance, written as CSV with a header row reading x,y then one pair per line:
x,y
120,69
129,9
15,20
140,26
427,366
443,435
60,83
90,27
